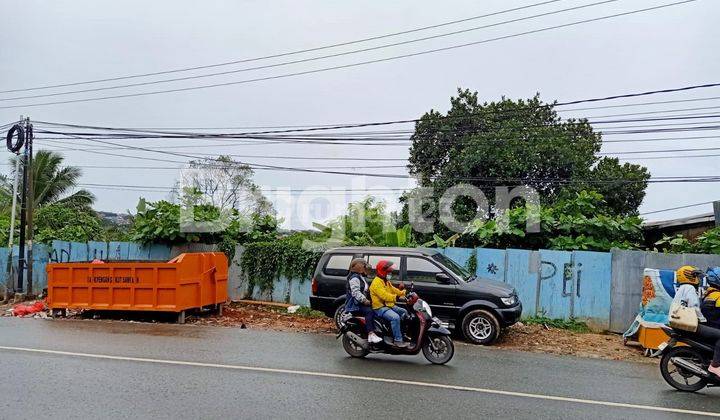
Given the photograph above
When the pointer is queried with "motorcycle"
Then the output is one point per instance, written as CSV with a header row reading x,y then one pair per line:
x,y
425,332
686,357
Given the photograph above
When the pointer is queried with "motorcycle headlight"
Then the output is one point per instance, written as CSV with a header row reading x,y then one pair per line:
x,y
426,308
510,300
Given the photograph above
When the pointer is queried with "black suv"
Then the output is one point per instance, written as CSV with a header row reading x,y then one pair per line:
x,y
480,307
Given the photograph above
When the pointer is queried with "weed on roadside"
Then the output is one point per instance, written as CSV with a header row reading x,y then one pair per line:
x,y
309,313
563,324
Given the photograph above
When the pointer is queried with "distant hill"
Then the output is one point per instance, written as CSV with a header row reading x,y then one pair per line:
x,y
122,219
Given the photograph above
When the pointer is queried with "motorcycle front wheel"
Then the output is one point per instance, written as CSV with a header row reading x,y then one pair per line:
x,y
438,349
676,376
353,349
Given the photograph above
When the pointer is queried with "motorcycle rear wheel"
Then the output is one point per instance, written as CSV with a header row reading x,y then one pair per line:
x,y
353,349
438,349
668,369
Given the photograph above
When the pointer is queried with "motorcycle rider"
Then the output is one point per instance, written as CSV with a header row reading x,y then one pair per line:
x,y
710,306
687,293
357,296
384,295
711,310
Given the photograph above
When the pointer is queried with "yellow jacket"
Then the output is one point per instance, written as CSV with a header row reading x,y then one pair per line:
x,y
712,295
383,293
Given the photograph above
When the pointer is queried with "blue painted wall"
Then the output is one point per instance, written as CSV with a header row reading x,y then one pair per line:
x,y
555,284
61,251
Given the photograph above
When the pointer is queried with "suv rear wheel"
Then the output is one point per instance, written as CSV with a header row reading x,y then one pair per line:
x,y
337,317
480,327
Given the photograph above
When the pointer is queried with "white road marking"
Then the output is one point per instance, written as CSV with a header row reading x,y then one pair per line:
x,y
366,378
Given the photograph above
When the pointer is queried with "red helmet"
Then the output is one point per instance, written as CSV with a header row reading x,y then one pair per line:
x,y
384,267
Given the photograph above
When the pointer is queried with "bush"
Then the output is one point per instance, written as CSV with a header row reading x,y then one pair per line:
x,y
580,221
265,262
67,223
159,222
706,243
563,324
309,313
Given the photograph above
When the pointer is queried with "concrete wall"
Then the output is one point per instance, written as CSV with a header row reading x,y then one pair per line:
x,y
627,276
294,291
555,284
601,288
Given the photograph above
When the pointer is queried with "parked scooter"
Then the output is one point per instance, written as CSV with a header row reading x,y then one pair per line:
x,y
686,357
424,331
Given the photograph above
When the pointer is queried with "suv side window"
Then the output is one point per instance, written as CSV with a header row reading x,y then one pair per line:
x,y
338,265
421,270
374,259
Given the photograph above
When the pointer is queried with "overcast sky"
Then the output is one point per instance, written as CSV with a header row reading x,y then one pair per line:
x,y
54,42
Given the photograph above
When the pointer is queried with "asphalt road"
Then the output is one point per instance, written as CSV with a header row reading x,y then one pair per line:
x,y
77,369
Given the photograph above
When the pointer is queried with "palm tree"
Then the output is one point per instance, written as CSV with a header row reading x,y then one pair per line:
x,y
51,182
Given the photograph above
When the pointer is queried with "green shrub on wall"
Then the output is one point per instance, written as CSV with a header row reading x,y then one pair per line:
x,y
264,262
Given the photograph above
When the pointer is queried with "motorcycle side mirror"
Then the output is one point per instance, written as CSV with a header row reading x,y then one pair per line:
x,y
442,278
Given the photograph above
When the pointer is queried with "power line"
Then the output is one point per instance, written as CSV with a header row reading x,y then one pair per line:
x,y
670,157
636,152
285,54
675,101
304,60
251,156
592,117
408,121
660,139
351,65
677,208
264,134
256,166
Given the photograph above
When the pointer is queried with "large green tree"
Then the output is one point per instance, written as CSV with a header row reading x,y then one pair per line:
x,y
511,143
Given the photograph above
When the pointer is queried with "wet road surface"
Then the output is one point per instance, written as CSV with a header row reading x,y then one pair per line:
x,y
189,371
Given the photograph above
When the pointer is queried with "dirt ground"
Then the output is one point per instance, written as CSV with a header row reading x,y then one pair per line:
x,y
541,339
532,338
266,318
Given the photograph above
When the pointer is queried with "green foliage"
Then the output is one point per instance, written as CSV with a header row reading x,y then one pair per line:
x,y
621,198
471,264
67,223
563,324
510,143
117,233
307,312
265,262
5,229
576,221
707,243
160,222
367,223
440,242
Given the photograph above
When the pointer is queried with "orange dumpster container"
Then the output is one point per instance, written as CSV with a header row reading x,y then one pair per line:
x,y
188,281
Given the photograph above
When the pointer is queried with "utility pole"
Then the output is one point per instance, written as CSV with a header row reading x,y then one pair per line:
x,y
23,213
30,204
716,211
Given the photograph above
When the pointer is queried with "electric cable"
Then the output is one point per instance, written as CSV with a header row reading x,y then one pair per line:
x,y
351,65
285,54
